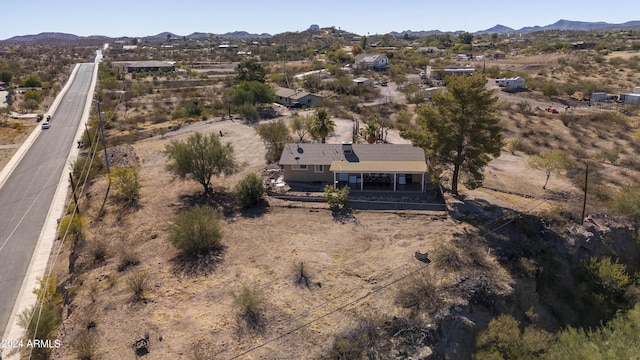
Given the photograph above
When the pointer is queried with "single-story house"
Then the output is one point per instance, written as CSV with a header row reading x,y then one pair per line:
x,y
440,74
145,66
513,83
363,81
364,167
377,62
296,98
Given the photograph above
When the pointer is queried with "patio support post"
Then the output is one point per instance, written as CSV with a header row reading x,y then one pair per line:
x,y
394,182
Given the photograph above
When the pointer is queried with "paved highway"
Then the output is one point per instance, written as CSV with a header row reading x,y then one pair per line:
x,y
26,196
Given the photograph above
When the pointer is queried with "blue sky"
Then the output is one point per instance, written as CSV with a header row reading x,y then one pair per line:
x,y
139,18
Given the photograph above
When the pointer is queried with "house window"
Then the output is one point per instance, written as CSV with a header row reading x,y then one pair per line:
x,y
298,167
319,168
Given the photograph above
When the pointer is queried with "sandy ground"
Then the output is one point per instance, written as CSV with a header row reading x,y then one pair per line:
x,y
347,263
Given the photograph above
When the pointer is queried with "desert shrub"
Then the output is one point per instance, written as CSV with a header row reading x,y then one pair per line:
x,y
503,339
518,144
137,285
249,112
420,293
86,169
127,258
196,231
250,309
249,190
71,226
366,340
618,339
627,203
98,251
86,345
549,89
604,285
336,198
611,155
178,114
42,320
126,185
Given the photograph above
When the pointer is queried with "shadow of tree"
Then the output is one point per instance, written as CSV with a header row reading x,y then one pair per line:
x,y
197,266
255,211
221,199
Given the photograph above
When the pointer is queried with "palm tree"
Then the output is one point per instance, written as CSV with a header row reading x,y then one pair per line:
x,y
323,125
372,132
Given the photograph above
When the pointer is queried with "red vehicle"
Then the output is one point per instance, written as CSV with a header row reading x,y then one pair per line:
x,y
552,110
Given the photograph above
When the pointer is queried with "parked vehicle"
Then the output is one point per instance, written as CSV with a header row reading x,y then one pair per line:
x,y
46,125
552,110
382,82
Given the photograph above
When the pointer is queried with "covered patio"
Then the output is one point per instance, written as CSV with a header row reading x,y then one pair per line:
x,y
380,175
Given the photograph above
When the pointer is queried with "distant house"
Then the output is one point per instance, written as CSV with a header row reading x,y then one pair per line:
x,y
376,62
363,81
296,98
429,49
364,167
497,55
145,66
512,83
440,74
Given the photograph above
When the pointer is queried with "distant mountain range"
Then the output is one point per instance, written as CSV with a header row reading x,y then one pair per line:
x,y
566,25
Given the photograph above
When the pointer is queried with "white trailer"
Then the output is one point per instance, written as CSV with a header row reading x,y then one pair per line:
x,y
513,83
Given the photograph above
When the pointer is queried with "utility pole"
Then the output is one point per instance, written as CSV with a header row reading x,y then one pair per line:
x,y
584,202
73,190
104,143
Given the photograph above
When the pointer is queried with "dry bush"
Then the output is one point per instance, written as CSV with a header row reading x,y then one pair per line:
x,y
137,285
98,251
127,258
86,345
420,293
250,310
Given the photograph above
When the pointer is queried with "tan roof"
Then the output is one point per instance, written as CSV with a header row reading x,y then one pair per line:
x,y
378,166
364,158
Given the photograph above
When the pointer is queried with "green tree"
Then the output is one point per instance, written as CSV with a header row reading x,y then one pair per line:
x,y
6,76
34,95
250,70
550,162
371,131
196,231
252,92
322,125
462,130
201,157
32,81
466,38
275,135
249,190
301,125
618,339
503,339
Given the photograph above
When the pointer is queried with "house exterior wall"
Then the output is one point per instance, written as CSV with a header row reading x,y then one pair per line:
x,y
307,175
